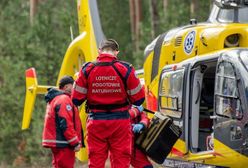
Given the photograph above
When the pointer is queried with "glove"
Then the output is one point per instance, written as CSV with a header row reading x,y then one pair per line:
x,y
140,108
137,127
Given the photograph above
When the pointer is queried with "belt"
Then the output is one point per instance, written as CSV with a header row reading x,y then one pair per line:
x,y
106,106
108,115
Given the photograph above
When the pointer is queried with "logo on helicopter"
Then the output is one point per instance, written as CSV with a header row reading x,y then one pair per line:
x,y
189,42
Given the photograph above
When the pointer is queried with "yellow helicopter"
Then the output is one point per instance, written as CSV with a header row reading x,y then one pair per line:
x,y
198,75
82,49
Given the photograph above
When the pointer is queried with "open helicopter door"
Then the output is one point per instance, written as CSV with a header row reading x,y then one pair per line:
x,y
172,99
230,121
201,95
196,85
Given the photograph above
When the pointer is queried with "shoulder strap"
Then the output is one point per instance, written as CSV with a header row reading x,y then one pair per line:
x,y
85,66
129,68
120,75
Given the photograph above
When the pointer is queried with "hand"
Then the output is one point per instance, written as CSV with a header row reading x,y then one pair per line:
x,y
137,127
140,108
77,148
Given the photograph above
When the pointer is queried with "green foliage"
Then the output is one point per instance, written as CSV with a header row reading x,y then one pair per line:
x,y
11,96
21,46
204,10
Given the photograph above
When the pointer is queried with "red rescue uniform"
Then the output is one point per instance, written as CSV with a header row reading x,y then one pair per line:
x,y
109,86
62,128
139,159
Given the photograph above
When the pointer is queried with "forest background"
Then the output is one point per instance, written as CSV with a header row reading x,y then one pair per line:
x,y
36,33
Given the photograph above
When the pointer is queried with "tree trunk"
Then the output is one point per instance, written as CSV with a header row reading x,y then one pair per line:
x,y
33,10
132,18
154,18
137,21
165,5
193,8
135,16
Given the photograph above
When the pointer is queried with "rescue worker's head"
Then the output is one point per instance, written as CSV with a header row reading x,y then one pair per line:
x,y
109,46
66,83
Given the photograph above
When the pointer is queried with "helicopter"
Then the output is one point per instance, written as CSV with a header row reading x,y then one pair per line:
x,y
197,75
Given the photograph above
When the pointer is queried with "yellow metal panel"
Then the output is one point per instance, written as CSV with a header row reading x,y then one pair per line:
x,y
43,89
31,90
201,157
82,155
227,156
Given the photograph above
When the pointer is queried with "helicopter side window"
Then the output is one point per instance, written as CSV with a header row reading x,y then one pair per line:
x,y
227,15
170,93
227,96
244,60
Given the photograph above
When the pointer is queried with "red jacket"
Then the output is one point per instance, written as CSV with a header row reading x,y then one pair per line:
x,y
108,84
62,127
138,117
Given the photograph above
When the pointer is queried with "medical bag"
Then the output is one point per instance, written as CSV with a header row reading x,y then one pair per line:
x,y
158,139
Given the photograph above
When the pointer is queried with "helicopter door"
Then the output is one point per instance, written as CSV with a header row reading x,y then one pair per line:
x,y
195,104
172,99
228,111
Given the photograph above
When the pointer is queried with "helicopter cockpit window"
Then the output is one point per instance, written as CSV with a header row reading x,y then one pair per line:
x,y
170,93
227,15
227,96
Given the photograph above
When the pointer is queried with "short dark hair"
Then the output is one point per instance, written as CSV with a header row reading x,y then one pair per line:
x,y
65,80
109,43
